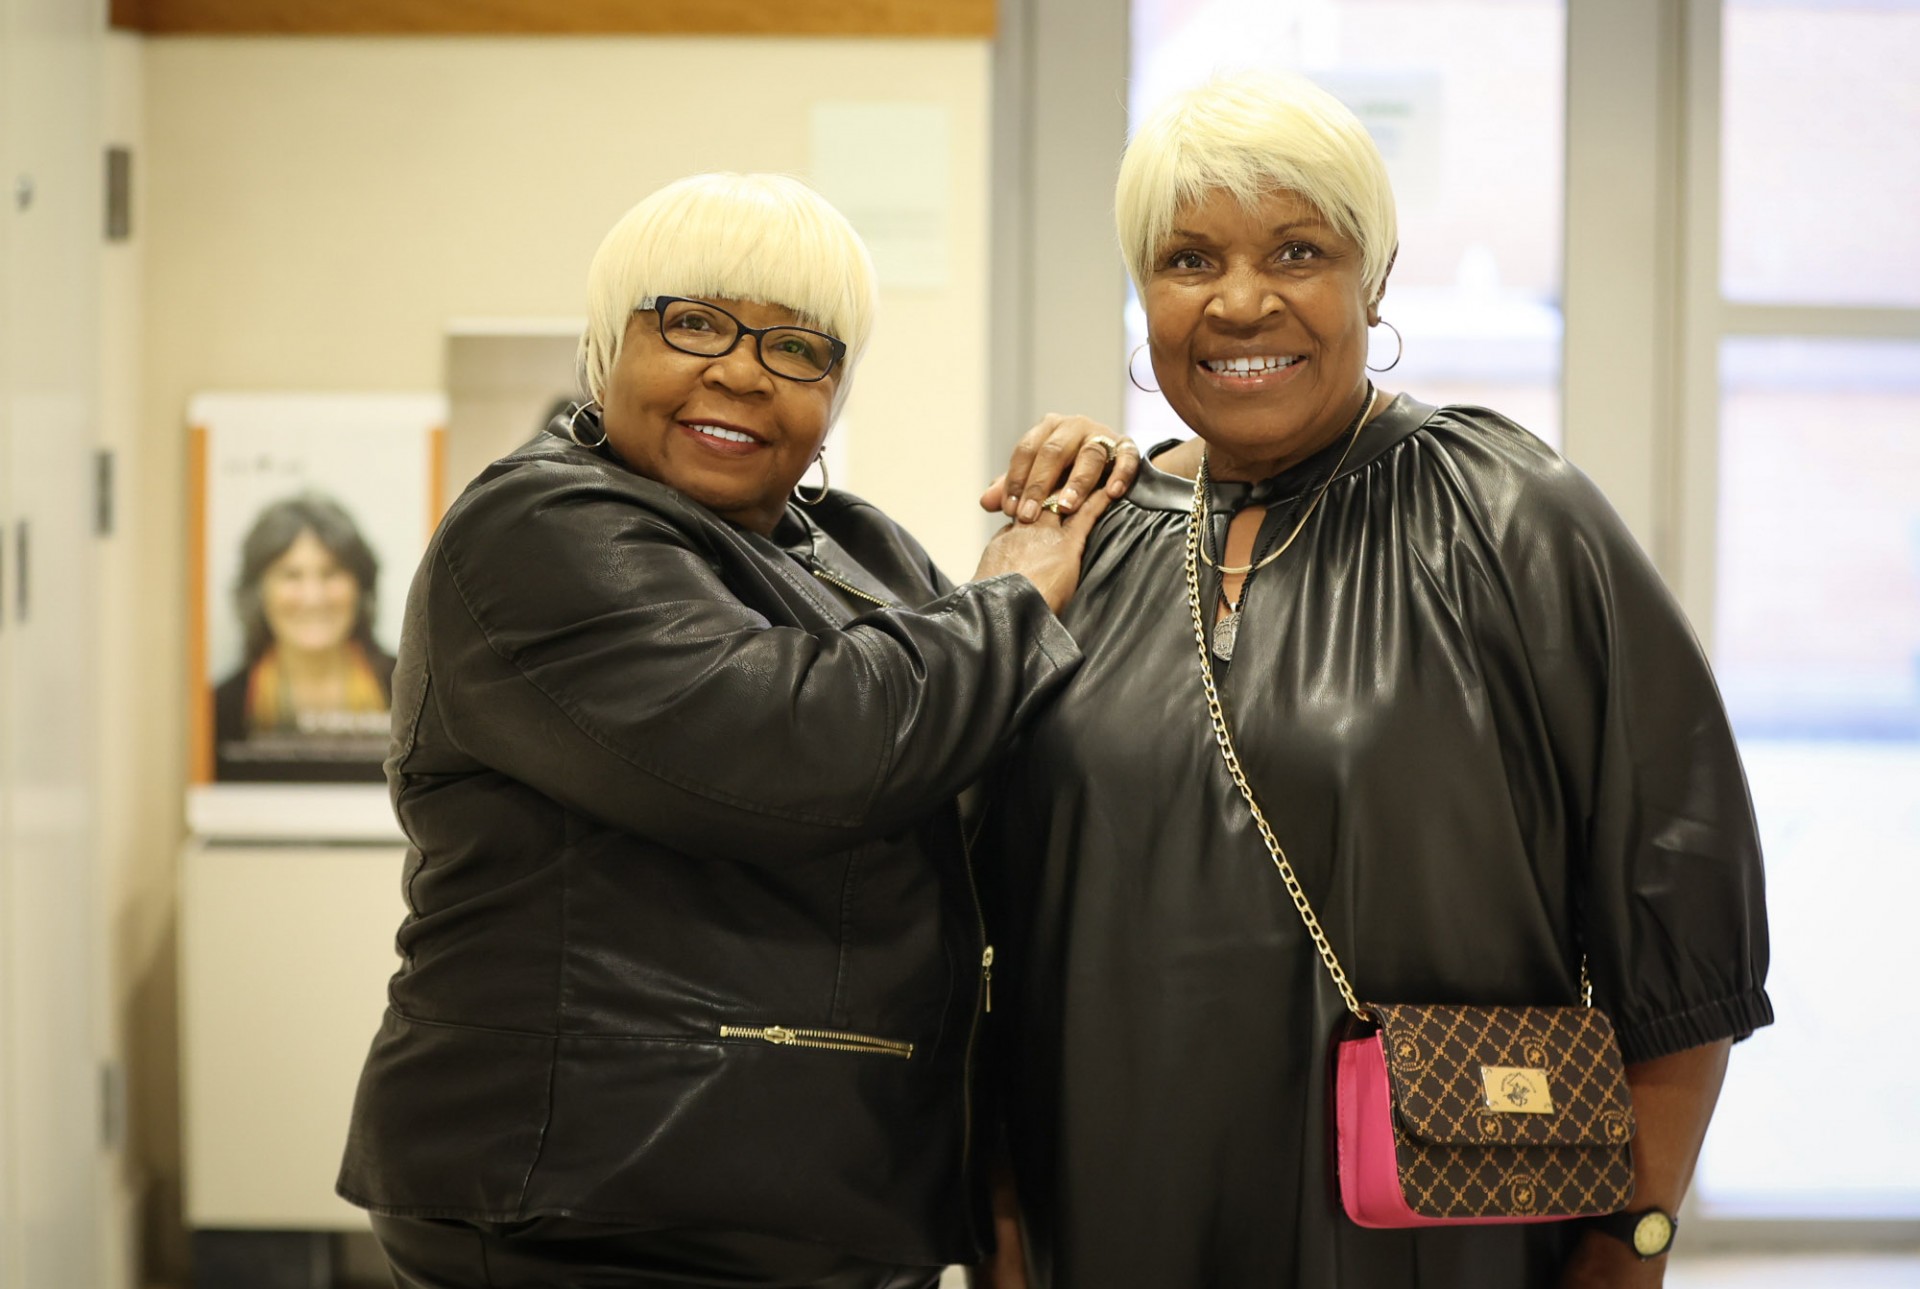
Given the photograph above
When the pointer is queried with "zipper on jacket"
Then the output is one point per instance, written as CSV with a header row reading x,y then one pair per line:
x,y
831,1040
973,1019
846,586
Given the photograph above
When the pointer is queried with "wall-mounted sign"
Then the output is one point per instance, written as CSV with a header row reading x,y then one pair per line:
x,y
309,515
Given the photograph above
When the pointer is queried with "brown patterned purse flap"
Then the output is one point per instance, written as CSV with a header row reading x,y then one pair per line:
x,y
1515,1076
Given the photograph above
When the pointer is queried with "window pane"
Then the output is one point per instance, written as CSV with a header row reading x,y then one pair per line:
x,y
1817,644
1466,100
1818,626
1820,177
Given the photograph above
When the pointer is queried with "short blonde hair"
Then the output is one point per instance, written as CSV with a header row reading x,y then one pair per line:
x,y
1250,134
767,238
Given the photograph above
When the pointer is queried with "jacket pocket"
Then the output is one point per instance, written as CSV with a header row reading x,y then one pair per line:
x,y
830,1040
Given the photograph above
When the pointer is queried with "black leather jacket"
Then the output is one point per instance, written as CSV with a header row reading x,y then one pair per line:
x,y
692,938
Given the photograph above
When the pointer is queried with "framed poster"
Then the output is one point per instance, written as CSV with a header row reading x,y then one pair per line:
x,y
309,513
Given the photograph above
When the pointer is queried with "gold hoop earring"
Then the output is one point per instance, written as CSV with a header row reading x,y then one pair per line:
x,y
1399,347
573,426
800,496
1144,389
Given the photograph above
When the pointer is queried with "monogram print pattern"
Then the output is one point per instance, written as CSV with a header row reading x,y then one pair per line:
x,y
1459,1159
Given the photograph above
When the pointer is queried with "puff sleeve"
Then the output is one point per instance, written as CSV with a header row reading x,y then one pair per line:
x,y
1669,891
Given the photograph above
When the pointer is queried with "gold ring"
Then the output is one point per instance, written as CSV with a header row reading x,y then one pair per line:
x,y
1111,446
1051,503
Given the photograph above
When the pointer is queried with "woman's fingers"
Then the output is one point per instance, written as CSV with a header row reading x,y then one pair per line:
x,y
995,497
1013,491
1063,458
1051,440
1081,521
1126,468
1049,552
1078,522
1050,462
1096,454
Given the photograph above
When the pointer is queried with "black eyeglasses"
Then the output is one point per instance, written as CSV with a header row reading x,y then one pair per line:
x,y
696,327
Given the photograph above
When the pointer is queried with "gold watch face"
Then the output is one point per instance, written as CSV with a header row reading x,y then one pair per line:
x,y
1652,1234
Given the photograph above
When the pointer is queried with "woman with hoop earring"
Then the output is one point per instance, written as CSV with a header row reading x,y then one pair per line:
x,y
693,974
1475,719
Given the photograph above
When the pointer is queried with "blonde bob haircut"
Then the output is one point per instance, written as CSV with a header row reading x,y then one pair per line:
x,y
1250,134
761,237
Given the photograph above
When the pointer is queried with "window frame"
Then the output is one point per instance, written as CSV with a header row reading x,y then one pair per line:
x,y
1691,501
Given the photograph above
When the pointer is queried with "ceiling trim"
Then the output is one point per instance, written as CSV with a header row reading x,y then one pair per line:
x,y
932,18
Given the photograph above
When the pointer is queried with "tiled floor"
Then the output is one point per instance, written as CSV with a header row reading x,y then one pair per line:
x,y
1781,1271
1829,1271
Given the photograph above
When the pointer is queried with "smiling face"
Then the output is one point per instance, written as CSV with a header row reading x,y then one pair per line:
x,y
311,603
725,431
1257,323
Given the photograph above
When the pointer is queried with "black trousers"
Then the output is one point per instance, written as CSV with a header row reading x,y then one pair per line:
x,y
552,1252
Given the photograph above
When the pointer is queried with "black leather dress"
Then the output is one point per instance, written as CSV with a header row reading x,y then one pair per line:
x,y
692,940
1488,741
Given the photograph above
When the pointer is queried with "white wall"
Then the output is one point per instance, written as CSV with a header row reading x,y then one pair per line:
x,y
314,211
320,208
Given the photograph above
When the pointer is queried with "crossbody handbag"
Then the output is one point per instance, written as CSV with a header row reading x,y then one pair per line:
x,y
1454,1115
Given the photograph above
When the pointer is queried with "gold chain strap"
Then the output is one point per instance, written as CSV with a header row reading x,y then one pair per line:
x,y
1216,712
1219,717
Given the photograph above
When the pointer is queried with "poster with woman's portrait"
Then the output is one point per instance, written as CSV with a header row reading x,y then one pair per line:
x,y
310,512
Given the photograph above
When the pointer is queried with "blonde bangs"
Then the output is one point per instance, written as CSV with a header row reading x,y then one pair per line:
x,y
766,238
1250,135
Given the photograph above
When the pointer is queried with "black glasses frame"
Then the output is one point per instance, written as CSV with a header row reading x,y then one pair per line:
x,y
658,305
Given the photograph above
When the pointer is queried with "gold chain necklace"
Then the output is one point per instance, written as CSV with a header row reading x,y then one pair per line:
x,y
1226,632
1352,437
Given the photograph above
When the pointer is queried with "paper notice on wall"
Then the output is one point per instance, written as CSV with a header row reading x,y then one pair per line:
x,y
887,166
1402,110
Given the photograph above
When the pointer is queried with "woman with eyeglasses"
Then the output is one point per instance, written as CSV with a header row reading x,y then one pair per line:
x,y
694,971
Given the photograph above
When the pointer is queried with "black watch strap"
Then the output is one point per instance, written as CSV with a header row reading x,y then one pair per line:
x,y
1647,1231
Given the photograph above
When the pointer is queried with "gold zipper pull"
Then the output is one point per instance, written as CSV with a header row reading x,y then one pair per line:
x,y
986,974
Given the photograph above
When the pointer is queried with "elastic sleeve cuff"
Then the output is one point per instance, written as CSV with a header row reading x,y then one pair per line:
x,y
1733,1018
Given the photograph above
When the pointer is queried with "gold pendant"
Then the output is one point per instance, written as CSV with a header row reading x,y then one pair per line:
x,y
1226,632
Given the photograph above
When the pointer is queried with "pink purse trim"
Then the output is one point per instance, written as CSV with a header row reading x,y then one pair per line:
x,y
1363,1128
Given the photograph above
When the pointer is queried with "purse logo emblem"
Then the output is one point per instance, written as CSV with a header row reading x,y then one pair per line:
x,y
1516,1089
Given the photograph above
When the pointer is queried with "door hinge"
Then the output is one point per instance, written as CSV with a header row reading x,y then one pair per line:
x,y
103,492
119,194
21,598
113,1107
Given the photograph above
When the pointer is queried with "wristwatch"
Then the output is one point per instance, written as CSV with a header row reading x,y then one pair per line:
x,y
1647,1231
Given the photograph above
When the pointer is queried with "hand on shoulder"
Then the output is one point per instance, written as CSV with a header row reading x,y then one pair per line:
x,y
1063,457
